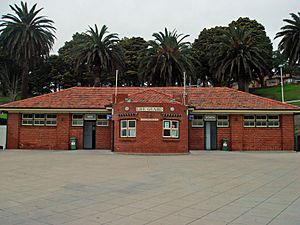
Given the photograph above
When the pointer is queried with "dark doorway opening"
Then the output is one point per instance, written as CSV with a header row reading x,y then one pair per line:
x,y
89,135
210,134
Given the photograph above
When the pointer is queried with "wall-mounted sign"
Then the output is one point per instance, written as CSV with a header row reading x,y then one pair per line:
x,y
149,109
191,117
210,118
149,119
90,117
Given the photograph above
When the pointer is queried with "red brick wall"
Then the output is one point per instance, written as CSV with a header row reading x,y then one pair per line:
x,y
196,137
149,137
13,131
243,139
104,137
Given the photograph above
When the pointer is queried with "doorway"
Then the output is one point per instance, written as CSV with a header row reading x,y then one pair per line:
x,y
89,135
210,134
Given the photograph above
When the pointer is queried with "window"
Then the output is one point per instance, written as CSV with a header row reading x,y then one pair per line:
x,y
128,128
223,121
77,120
261,120
170,128
249,121
50,119
27,119
273,121
39,119
198,121
102,120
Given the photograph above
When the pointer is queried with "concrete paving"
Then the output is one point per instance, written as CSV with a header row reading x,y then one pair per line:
x,y
95,187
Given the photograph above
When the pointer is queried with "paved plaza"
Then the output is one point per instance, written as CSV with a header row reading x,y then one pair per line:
x,y
98,187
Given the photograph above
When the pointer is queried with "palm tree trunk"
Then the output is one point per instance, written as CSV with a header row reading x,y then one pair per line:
x,y
169,80
243,85
25,79
97,73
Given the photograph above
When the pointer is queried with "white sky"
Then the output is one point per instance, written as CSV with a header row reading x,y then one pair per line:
x,y
142,18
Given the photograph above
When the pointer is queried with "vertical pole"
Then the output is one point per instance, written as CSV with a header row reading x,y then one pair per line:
x,y
281,78
184,85
116,88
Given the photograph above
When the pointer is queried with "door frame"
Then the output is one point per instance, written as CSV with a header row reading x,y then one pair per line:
x,y
93,134
216,138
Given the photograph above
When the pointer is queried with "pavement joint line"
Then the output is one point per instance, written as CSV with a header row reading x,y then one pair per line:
x,y
283,210
238,198
264,200
217,194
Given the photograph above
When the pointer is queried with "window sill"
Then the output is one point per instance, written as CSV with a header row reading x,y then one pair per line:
x,y
171,139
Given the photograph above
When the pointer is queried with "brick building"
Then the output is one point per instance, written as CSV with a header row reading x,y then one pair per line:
x,y
150,120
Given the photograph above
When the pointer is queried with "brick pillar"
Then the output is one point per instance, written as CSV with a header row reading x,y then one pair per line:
x,y
13,128
63,131
287,126
236,124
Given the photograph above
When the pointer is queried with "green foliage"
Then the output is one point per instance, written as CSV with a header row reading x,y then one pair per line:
x,y
291,92
290,42
166,59
26,37
214,47
204,50
100,52
241,59
133,49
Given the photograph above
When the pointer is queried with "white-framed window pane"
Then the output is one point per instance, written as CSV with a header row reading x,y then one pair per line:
x,y
123,123
124,133
77,123
261,121
198,121
102,123
167,124
273,121
167,133
39,122
27,122
222,121
174,133
131,133
249,121
174,124
27,116
131,123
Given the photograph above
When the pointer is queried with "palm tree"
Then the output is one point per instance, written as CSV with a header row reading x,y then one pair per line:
x,y
240,58
166,58
100,52
26,37
290,42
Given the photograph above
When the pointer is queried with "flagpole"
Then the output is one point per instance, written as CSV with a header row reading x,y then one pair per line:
x,y
116,88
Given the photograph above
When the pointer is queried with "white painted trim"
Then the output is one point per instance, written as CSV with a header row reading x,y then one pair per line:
x,y
18,110
222,111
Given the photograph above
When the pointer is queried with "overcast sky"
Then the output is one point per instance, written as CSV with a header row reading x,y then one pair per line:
x,y
141,18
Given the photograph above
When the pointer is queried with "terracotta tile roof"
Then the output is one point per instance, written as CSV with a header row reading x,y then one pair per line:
x,y
201,98
152,96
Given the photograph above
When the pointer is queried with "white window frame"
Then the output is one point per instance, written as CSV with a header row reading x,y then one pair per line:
x,y
27,119
77,122
198,122
128,129
221,122
171,128
101,122
39,121
259,120
249,120
50,121
277,120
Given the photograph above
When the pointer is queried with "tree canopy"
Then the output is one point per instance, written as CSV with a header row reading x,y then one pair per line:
x,y
26,37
